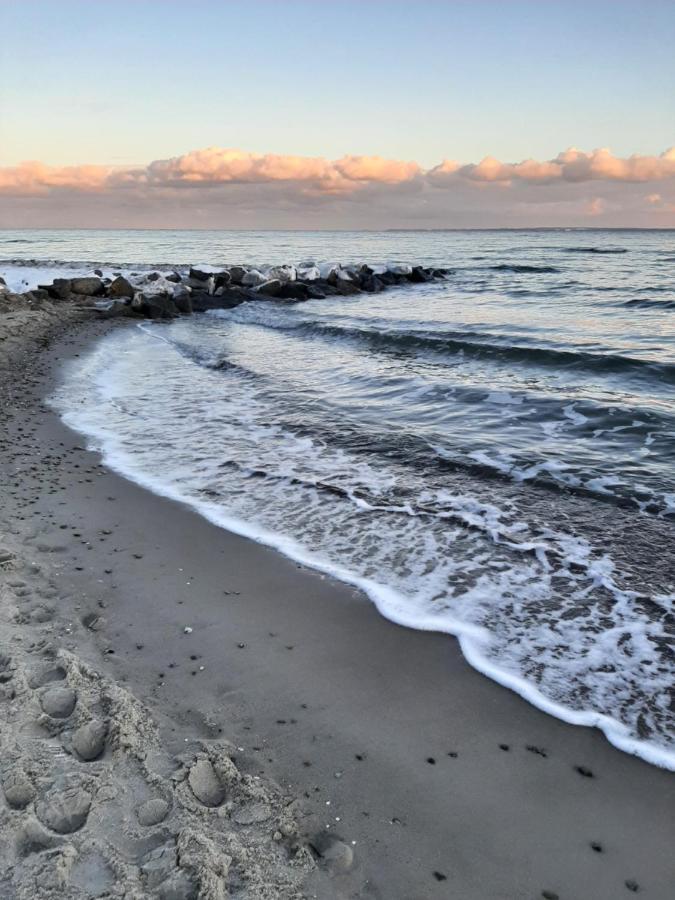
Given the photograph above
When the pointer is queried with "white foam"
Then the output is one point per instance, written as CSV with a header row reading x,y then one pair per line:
x,y
430,559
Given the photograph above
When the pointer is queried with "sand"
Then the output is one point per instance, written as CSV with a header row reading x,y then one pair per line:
x,y
301,744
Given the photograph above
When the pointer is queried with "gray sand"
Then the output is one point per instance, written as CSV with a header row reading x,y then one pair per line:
x,y
437,782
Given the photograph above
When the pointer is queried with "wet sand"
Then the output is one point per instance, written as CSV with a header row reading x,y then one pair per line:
x,y
444,784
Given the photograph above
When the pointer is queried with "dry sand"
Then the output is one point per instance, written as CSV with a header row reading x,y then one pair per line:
x,y
416,777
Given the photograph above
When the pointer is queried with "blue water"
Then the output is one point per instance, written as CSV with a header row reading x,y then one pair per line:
x,y
492,455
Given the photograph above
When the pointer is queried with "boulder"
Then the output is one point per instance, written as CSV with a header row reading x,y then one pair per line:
x,y
253,278
174,277
294,290
120,287
222,279
91,286
372,284
59,289
347,287
315,293
154,306
282,273
182,297
228,299
201,281
117,309
270,288
236,274
309,273
199,275
420,275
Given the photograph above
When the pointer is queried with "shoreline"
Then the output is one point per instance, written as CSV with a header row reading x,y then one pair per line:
x,y
479,821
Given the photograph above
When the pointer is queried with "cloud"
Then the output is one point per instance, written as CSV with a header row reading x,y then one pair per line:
x,y
35,178
220,187
215,166
572,165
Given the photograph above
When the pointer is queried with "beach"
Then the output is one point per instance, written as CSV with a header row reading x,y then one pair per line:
x,y
434,780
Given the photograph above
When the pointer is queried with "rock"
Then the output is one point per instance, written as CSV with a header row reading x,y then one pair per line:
x,y
309,273
89,739
58,702
3,283
90,286
230,297
120,287
205,783
222,279
152,812
282,273
98,272
116,309
18,789
64,811
153,276
315,293
294,290
201,281
335,854
182,297
420,275
347,287
174,277
198,275
372,284
59,289
253,278
270,288
155,306
236,274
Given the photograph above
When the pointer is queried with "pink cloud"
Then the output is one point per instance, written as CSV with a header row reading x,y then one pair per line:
x,y
215,166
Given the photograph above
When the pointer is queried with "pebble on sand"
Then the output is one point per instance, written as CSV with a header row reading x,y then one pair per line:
x,y
58,702
205,783
64,811
18,789
153,811
89,739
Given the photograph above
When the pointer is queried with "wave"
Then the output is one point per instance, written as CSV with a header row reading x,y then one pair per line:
x,y
652,304
471,343
603,250
537,610
523,269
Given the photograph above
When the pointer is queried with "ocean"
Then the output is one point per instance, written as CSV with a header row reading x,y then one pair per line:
x,y
491,455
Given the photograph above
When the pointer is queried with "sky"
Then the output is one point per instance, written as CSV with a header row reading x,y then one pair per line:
x,y
378,113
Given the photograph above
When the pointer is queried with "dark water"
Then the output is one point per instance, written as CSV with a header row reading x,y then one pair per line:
x,y
492,456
